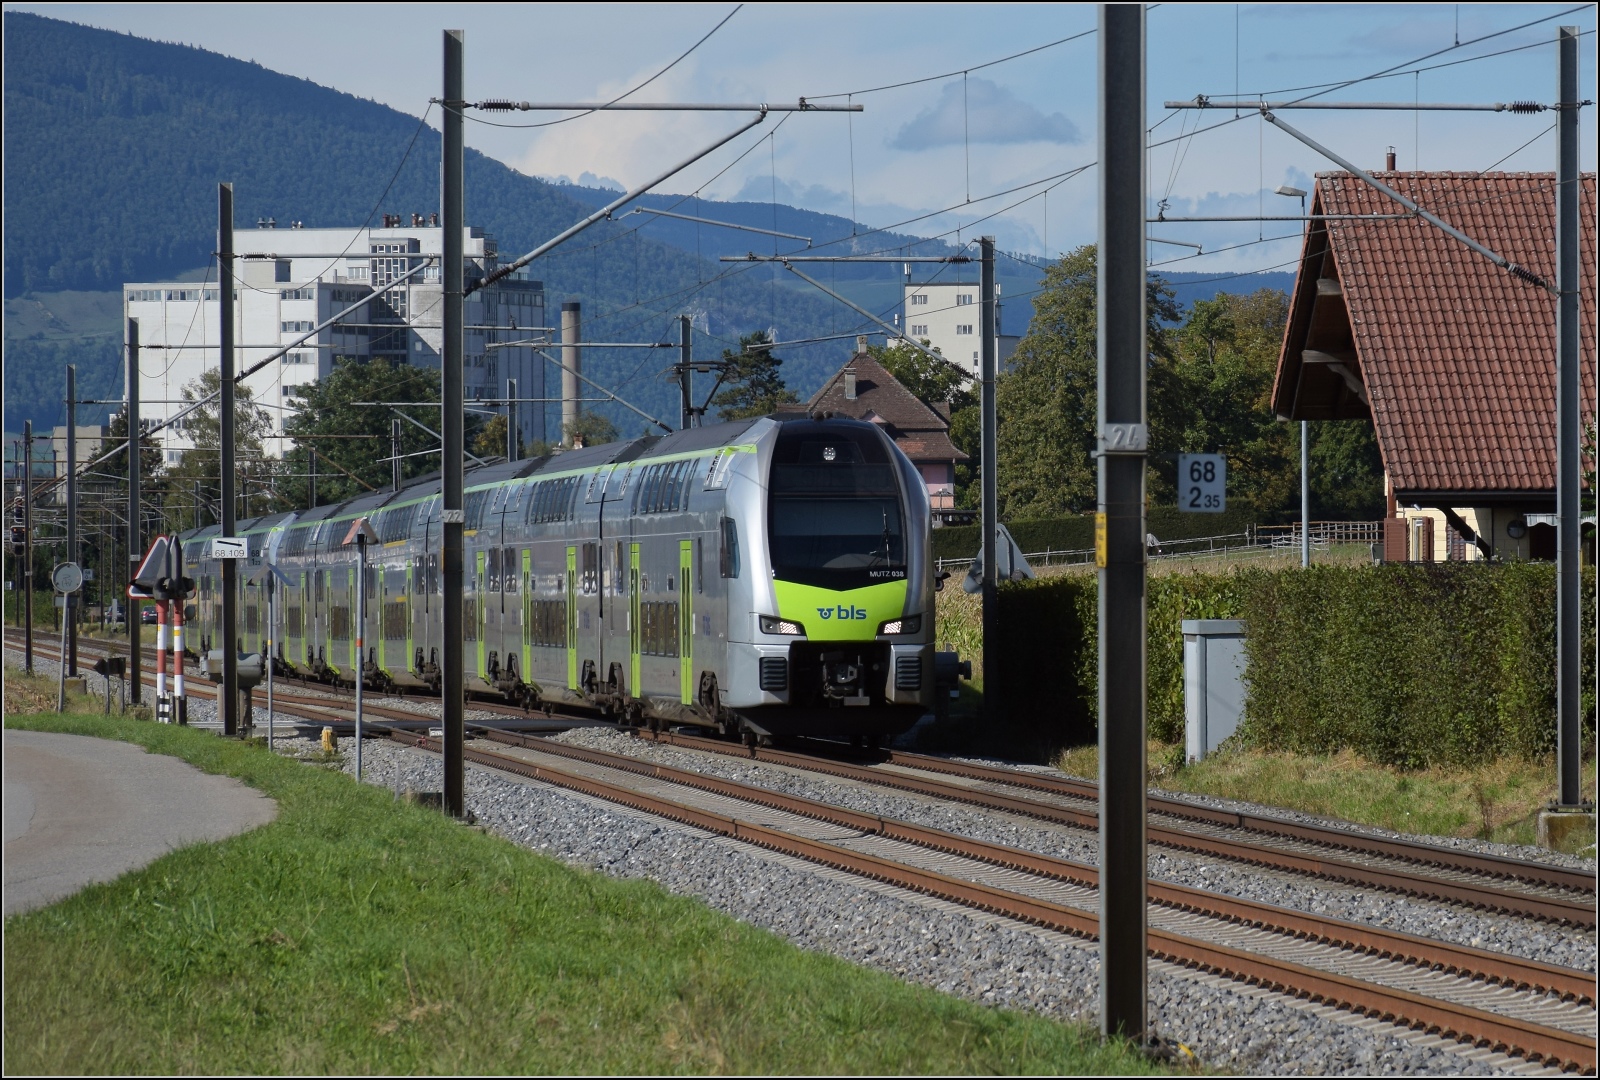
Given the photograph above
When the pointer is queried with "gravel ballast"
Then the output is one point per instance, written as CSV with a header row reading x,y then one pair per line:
x,y
942,945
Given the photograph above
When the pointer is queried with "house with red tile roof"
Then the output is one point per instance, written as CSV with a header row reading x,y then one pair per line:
x,y
864,389
1452,358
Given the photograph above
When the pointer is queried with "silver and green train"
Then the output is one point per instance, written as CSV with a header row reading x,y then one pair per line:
x,y
766,578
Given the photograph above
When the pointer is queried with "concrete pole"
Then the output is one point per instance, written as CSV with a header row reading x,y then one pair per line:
x,y
272,627
989,480
685,374
27,545
512,406
1122,349
1569,433
135,540
361,638
69,610
230,568
1305,493
452,513
394,454
571,365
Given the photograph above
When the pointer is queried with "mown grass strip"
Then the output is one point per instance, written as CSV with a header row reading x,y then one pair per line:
x,y
356,935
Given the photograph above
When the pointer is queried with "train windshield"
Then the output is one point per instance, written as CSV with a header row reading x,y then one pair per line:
x,y
834,508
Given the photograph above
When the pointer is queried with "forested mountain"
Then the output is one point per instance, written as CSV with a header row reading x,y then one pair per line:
x,y
114,146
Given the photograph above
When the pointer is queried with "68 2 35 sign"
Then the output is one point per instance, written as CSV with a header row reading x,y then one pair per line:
x,y
1202,483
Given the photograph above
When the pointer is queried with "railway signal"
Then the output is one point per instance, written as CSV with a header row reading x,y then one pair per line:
x,y
160,578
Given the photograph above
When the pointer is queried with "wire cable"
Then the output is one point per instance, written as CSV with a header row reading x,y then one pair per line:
x,y
952,74
619,97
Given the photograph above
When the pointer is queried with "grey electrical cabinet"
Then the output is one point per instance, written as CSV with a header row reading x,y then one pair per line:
x,y
1213,683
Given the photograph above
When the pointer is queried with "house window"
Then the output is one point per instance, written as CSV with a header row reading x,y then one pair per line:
x,y
963,299
297,326
280,270
183,294
305,293
919,299
964,328
299,356
919,330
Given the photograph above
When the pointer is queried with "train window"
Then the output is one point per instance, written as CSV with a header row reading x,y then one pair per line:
x,y
498,502
619,569
493,571
730,548
699,564
590,562
518,493
475,506
597,485
508,569
571,503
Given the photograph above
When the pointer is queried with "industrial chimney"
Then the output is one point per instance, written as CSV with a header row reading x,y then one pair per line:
x,y
571,364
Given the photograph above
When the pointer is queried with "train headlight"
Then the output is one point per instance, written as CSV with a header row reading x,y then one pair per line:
x,y
772,625
906,624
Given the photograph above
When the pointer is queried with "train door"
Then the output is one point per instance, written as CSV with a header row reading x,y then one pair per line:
x,y
635,623
525,652
406,613
477,629
572,617
351,631
686,687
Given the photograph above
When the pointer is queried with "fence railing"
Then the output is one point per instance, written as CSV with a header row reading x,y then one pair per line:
x,y
1264,540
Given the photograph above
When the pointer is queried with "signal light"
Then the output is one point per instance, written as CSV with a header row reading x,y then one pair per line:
x,y
19,540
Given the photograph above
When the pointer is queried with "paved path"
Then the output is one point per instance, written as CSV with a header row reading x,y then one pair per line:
x,y
80,810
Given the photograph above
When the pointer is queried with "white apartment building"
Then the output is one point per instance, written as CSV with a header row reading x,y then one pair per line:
x,y
945,314
290,281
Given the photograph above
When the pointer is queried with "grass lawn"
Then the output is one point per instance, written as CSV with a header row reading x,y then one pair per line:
x,y
358,935
1499,800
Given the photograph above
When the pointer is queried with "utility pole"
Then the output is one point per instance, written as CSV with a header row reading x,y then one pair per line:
x,y
135,546
1119,526
991,488
511,420
230,569
27,545
1569,588
685,374
69,600
394,454
571,367
1305,493
452,182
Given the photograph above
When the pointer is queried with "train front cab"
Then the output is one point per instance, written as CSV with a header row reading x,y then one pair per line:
x,y
838,639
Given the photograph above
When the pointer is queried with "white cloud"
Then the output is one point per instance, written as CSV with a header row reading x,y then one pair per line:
x,y
977,110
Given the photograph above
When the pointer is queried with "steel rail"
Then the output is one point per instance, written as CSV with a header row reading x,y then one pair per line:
x,y
1333,869
1400,1007
1483,964
1410,850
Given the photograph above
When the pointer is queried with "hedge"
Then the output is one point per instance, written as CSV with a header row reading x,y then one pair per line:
x,y
1408,665
1077,533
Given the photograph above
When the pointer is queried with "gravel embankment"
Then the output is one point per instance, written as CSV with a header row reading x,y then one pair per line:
x,y
1518,937
938,944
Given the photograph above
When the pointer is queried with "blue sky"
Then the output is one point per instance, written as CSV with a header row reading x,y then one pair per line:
x,y
932,146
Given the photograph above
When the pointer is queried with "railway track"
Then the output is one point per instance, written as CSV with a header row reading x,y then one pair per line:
x,y
1525,1008
336,710
1488,882
1407,867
